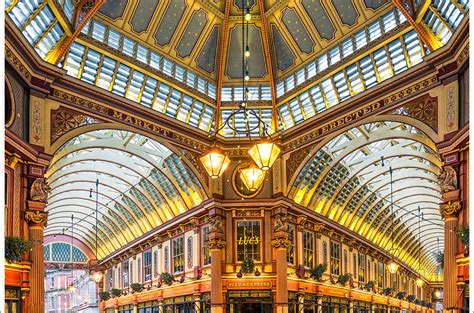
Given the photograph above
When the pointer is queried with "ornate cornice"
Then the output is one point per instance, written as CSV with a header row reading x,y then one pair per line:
x,y
450,209
280,243
36,218
216,243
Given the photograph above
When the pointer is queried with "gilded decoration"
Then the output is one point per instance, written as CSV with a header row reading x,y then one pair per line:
x,y
17,63
411,90
280,243
463,55
39,190
36,120
448,179
216,225
36,217
294,160
216,243
281,224
450,209
193,159
64,120
424,109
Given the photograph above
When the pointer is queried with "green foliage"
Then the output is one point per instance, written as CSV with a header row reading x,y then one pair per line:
x,y
248,265
104,295
463,235
137,287
116,292
15,248
411,298
401,295
343,279
167,278
369,285
387,291
318,271
439,257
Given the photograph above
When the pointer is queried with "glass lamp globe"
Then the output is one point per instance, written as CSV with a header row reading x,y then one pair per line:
x,y
71,288
215,162
419,282
264,154
252,177
392,267
97,276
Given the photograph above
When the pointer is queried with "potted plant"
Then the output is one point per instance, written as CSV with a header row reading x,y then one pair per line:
x,y
104,295
411,298
115,292
136,287
317,272
387,291
15,248
167,278
463,235
401,295
369,286
343,279
439,257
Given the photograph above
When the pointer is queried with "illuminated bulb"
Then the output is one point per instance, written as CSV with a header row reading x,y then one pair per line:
x,y
215,162
437,294
419,282
392,267
246,77
248,17
71,288
247,52
247,92
252,177
264,154
97,275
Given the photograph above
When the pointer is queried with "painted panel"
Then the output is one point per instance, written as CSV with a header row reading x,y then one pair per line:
x,y
240,3
297,30
171,18
207,58
284,56
143,14
113,9
191,34
346,11
320,18
257,67
374,4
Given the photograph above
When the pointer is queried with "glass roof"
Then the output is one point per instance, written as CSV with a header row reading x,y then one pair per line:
x,y
142,184
347,182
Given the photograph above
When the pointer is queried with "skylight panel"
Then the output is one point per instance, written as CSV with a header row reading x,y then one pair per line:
x,y
266,93
142,54
155,61
211,90
201,85
253,93
196,113
328,89
23,10
374,30
74,59
397,56
311,69
136,83
334,55
354,79
296,111
98,31
300,76
91,65
172,107
280,88
38,25
168,67
368,72
360,39
128,46
322,63
382,63
149,91
179,73
347,47
162,97
341,85
206,119
191,80
317,98
185,108
226,93
307,105
413,48
121,80
389,21
285,116
290,82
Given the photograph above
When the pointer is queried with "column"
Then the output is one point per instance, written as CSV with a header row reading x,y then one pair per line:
x,y
280,244
36,220
449,211
216,243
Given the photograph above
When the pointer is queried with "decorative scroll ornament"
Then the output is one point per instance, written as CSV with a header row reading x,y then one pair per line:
x,y
216,243
280,243
36,217
216,225
450,208
281,225
448,179
39,190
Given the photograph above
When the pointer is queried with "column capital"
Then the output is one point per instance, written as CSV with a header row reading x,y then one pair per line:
x,y
216,243
280,243
450,209
36,218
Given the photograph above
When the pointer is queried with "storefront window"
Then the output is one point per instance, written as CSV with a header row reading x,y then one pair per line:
x,y
308,249
380,275
206,252
361,267
155,263
290,252
139,270
178,255
335,258
147,265
248,240
125,274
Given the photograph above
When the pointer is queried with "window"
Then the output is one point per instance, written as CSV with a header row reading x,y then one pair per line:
x,y
380,275
248,240
206,252
325,252
361,267
125,281
345,262
290,252
335,258
139,270
155,263
167,258
178,255
131,272
354,265
369,277
189,252
147,265
308,249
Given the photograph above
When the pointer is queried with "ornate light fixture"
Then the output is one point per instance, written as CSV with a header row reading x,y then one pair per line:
x,y
265,152
392,266
419,282
252,177
72,288
95,273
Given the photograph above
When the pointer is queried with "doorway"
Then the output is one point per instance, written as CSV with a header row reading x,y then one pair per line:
x,y
249,302
12,300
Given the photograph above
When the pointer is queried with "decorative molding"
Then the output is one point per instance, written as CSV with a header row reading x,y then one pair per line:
x,y
39,190
280,243
451,108
216,243
36,120
17,63
450,209
294,161
411,90
448,179
36,217
463,55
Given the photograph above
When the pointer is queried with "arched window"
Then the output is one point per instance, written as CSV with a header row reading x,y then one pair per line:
x,y
345,261
131,272
167,260
325,252
155,263
190,252
354,265
139,270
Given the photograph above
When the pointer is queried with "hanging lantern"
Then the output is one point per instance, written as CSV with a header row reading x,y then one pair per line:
x,y
419,282
392,267
71,288
252,177
264,154
215,162
97,275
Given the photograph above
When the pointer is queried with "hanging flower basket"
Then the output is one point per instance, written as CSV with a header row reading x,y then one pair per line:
x,y
401,295
167,278
116,292
411,298
15,248
248,266
369,286
317,272
136,287
343,279
104,295
387,291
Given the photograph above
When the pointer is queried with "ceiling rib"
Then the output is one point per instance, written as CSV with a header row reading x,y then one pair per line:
x,y
268,60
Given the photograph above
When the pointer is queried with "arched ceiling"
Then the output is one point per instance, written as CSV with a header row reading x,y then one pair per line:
x,y
346,181
142,184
